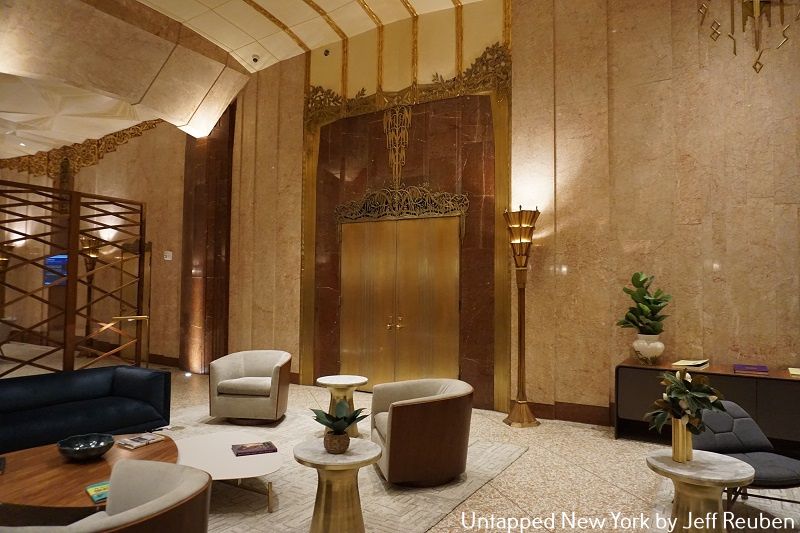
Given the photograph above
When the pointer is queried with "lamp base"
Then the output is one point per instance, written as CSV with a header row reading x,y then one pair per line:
x,y
520,415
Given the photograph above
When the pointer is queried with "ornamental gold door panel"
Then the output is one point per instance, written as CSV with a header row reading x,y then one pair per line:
x,y
427,327
400,299
368,264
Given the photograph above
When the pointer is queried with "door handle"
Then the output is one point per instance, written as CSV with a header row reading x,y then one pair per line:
x,y
389,325
399,325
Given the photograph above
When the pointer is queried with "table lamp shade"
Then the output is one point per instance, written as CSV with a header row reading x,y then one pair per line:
x,y
520,233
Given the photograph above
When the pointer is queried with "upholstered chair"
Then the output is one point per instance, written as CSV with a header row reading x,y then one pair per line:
x,y
423,427
143,497
250,386
733,432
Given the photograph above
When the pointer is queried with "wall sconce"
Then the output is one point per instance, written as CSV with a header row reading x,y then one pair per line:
x,y
520,232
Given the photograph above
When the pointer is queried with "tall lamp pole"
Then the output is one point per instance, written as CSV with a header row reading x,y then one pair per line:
x,y
90,246
520,232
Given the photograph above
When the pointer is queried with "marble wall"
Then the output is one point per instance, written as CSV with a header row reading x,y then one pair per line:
x,y
266,211
148,169
649,146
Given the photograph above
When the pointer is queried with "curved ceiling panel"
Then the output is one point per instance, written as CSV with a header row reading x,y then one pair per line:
x,y
259,33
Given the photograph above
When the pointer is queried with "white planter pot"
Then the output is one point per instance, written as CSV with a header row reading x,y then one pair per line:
x,y
648,348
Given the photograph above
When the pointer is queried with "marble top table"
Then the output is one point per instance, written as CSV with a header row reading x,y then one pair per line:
x,y
341,387
338,504
699,483
212,453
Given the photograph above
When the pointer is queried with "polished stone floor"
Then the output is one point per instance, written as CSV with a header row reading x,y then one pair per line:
x,y
568,468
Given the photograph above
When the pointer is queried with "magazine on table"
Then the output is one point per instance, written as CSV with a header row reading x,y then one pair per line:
x,y
138,441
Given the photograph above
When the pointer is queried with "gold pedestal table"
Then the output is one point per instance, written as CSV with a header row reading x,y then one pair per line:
x,y
699,483
341,387
338,504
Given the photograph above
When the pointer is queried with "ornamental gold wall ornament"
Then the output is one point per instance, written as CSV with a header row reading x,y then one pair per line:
x,y
489,72
79,155
396,121
758,16
407,202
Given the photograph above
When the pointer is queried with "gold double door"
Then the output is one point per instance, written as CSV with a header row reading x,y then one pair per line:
x,y
400,299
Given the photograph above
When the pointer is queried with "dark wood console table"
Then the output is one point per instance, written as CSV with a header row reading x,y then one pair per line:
x,y
773,400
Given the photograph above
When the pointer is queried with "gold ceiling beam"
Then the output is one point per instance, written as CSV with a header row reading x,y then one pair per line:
x,y
378,24
459,36
342,35
272,18
414,41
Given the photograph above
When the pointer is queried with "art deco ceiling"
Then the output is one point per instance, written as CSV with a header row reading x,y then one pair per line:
x,y
40,115
274,30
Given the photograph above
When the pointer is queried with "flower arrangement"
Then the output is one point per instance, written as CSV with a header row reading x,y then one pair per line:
x,y
685,399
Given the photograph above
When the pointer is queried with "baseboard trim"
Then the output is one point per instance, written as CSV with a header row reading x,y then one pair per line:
x,y
164,360
294,377
573,412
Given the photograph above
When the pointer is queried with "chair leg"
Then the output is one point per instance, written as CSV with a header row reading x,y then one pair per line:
x,y
732,495
745,496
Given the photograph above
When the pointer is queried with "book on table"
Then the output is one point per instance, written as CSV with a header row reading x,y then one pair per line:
x,y
750,369
98,492
693,364
138,441
794,372
253,448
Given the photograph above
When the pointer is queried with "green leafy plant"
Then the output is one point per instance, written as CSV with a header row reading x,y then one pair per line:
x,y
644,315
685,399
342,419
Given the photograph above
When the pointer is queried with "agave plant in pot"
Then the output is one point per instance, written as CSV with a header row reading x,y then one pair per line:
x,y
682,403
337,440
645,315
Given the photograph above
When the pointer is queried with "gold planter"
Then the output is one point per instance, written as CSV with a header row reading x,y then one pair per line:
x,y
681,442
336,443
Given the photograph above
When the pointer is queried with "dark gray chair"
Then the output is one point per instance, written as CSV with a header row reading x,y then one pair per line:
x,y
736,434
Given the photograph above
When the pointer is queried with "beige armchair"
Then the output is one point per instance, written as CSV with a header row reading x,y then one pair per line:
x,y
143,497
250,385
423,428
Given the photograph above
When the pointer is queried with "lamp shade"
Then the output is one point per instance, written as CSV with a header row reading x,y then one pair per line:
x,y
520,233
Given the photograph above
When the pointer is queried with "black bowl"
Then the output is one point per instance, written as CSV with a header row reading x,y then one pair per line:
x,y
85,447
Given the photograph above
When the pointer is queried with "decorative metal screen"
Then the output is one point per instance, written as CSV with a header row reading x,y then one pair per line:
x,y
71,279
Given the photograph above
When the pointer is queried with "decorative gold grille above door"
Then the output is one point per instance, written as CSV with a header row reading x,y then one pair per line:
x,y
400,299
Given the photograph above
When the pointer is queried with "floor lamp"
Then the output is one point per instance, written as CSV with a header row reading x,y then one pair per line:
x,y
520,232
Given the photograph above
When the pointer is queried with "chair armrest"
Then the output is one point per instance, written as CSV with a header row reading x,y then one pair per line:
x,y
147,385
385,394
227,367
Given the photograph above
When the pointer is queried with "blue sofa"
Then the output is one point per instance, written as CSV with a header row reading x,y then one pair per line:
x,y
43,409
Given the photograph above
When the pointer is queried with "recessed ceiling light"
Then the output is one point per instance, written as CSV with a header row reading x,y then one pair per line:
x,y
23,144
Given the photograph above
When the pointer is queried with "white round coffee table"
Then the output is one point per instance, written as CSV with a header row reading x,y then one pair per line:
x,y
338,503
698,486
212,453
341,387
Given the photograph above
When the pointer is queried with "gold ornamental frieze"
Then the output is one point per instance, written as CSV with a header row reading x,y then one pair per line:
x,y
78,155
402,203
489,72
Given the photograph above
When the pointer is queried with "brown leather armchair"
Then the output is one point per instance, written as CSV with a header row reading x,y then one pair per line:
x,y
423,428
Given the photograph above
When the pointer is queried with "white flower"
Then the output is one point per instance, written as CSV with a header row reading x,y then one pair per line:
x,y
664,396
712,399
688,377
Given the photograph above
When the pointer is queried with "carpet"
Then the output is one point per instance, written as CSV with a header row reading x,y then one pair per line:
x,y
386,508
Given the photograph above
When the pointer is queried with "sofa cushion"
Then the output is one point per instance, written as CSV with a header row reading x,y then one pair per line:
x,y
46,425
29,392
246,386
382,423
147,385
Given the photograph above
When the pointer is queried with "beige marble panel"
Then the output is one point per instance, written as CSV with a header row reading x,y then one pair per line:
x,y
532,185
242,278
219,97
289,213
582,262
265,192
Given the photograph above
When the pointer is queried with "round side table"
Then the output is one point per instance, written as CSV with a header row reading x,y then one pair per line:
x,y
699,483
341,388
338,504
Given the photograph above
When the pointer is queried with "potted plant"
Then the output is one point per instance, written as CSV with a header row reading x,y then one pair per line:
x,y
645,316
336,439
683,403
